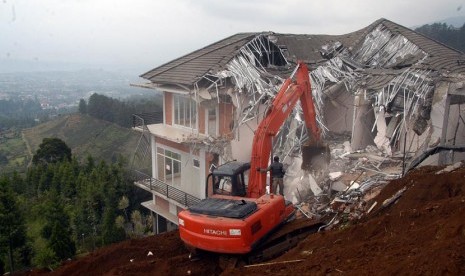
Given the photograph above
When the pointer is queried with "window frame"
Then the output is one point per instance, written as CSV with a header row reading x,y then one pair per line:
x,y
182,106
164,154
208,122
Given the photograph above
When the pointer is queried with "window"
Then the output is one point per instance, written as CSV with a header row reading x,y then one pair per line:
x,y
185,112
211,121
169,166
222,185
196,163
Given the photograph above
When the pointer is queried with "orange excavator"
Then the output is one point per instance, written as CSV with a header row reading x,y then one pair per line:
x,y
239,216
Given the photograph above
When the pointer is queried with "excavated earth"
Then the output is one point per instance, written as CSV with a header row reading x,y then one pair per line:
x,y
422,233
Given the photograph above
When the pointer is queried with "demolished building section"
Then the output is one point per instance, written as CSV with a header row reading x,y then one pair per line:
x,y
386,91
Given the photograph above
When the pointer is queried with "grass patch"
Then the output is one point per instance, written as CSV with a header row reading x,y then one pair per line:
x,y
87,136
13,153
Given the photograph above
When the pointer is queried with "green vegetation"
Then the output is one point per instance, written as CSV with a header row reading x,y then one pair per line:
x,y
447,34
77,194
12,229
13,152
52,150
19,113
118,112
66,207
83,134
86,136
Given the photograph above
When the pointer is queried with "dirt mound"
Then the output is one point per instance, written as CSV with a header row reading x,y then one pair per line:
x,y
422,233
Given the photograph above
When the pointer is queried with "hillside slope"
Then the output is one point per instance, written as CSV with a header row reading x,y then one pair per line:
x,y
423,233
86,136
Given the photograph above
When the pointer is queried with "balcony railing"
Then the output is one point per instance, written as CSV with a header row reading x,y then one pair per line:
x,y
148,118
164,189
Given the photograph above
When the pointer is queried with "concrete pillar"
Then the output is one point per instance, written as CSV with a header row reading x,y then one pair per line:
x,y
202,171
153,147
363,121
155,223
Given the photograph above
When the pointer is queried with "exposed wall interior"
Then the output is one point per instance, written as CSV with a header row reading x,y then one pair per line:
x,y
384,97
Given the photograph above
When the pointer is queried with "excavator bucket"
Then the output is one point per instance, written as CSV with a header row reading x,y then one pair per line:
x,y
315,157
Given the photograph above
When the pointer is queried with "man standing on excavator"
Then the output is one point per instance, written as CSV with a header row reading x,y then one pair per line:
x,y
277,175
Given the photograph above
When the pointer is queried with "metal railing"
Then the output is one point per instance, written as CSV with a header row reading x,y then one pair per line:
x,y
147,118
141,121
164,189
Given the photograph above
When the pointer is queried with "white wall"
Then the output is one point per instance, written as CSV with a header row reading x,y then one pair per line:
x,y
191,177
241,146
338,113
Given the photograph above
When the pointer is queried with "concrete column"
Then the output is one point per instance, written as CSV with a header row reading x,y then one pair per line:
x,y
153,147
362,122
155,223
202,171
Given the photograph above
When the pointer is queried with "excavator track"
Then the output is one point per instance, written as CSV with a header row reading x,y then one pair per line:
x,y
285,238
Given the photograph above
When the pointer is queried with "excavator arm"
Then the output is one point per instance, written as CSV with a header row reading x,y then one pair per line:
x,y
234,224
283,104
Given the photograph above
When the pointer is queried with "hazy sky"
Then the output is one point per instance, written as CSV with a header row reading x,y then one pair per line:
x,y
147,33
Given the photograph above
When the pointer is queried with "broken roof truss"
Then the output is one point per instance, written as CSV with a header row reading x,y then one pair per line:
x,y
256,73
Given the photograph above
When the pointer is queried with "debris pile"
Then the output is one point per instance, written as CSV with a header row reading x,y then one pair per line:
x,y
353,179
416,227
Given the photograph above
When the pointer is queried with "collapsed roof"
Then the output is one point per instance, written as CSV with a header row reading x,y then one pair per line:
x,y
392,87
392,66
383,44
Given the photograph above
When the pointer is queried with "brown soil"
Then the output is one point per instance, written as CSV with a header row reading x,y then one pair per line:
x,y
423,233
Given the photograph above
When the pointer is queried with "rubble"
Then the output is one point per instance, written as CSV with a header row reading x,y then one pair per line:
x,y
343,193
450,168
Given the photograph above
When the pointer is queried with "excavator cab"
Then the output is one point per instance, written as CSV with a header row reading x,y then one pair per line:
x,y
230,179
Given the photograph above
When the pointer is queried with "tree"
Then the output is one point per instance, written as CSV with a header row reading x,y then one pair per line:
x,y
111,233
82,106
57,230
139,227
123,204
12,225
52,150
447,34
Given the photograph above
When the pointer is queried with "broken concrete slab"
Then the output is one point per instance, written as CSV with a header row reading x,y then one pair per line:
x,y
334,175
338,186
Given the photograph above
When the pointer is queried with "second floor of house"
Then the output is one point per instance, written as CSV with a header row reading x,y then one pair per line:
x,y
184,119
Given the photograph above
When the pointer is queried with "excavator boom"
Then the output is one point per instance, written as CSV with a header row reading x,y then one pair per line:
x,y
236,221
283,104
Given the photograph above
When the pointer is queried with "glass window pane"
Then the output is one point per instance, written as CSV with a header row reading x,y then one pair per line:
x,y
175,109
168,168
161,167
182,112
176,167
185,111
212,121
194,114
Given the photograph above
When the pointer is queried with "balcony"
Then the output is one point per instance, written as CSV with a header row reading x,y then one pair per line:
x,y
154,185
153,123
148,118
